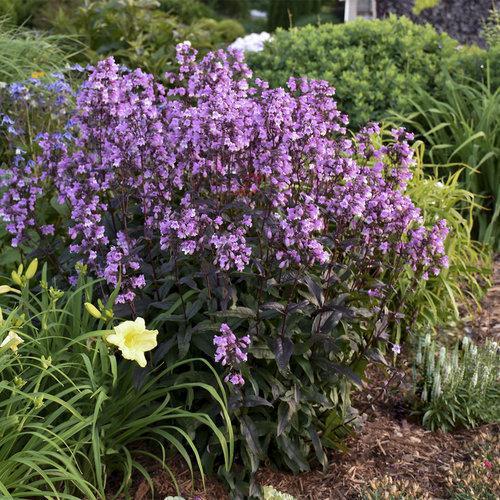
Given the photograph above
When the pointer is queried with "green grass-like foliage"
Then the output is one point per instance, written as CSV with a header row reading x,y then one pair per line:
x,y
438,300
462,129
458,387
372,64
72,415
23,52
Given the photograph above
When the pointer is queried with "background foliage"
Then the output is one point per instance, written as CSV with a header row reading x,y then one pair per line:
x,y
462,130
142,33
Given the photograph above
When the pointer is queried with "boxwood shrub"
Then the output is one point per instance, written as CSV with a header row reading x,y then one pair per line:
x,y
372,64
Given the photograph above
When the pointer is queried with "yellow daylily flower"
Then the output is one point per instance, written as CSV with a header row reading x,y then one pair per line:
x,y
133,340
13,340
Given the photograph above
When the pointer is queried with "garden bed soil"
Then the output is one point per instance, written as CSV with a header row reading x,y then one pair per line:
x,y
391,448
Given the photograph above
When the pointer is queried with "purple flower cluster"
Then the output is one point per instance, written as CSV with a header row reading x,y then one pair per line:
x,y
230,352
219,166
22,180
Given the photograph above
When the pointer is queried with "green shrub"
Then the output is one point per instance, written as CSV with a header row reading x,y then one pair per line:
x,y
74,417
186,12
138,33
421,5
472,63
372,64
20,12
462,129
207,34
457,387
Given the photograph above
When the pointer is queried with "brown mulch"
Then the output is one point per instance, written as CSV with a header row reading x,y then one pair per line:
x,y
487,324
387,446
390,444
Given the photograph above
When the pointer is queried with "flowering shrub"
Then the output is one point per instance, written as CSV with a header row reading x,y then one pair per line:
x,y
220,205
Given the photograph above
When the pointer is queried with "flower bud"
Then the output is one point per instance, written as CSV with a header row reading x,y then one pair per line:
x,y
424,394
442,355
38,402
7,289
32,268
46,362
20,269
16,278
92,310
436,388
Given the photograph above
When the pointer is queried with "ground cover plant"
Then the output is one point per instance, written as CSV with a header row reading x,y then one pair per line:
x,y
74,416
241,222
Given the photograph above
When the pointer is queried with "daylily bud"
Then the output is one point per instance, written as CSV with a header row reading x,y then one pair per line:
x,y
38,402
7,289
32,268
20,269
92,310
16,278
46,362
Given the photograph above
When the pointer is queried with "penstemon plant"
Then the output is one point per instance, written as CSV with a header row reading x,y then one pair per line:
x,y
244,223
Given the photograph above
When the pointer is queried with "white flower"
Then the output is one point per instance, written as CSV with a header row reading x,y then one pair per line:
x,y
258,14
251,43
